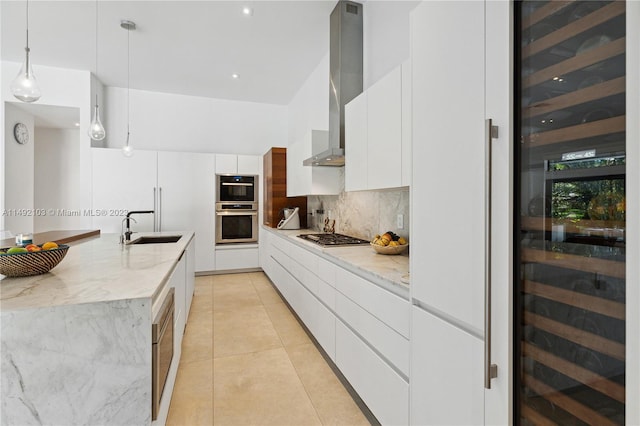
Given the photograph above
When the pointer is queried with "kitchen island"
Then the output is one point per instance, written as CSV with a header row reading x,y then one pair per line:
x,y
76,341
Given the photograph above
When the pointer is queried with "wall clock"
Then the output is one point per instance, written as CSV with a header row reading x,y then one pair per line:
x,y
21,133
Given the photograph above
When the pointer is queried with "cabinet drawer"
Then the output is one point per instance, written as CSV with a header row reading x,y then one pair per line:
x,y
304,257
326,330
387,307
231,259
326,294
327,271
385,340
382,389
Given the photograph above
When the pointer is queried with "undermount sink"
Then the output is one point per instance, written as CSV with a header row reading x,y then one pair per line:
x,y
156,239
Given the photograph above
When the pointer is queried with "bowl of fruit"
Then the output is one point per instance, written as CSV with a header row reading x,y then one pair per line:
x,y
389,243
31,259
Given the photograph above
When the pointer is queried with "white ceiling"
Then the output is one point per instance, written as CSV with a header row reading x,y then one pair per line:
x,y
186,47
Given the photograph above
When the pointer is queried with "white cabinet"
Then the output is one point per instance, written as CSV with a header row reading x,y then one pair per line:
x,y
446,373
190,278
307,180
355,132
362,327
377,134
122,184
186,200
178,282
237,257
382,389
238,164
178,186
384,132
456,85
406,123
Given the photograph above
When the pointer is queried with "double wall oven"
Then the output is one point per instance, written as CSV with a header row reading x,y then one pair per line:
x,y
236,209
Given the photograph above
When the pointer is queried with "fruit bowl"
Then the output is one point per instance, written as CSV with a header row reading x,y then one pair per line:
x,y
31,263
389,249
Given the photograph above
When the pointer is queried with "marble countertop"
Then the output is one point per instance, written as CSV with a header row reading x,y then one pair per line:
x,y
97,270
384,270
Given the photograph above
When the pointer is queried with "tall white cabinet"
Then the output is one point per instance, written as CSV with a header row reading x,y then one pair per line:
x,y
178,186
458,82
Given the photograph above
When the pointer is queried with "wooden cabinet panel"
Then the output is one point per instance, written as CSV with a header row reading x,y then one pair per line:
x,y
274,184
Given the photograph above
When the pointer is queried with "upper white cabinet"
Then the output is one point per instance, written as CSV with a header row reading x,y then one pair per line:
x,y
355,131
238,164
384,132
307,180
377,132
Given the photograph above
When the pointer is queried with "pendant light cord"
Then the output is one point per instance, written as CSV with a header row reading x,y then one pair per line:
x,y
96,76
128,85
27,60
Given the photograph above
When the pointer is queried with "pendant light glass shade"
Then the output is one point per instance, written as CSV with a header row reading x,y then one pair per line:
x,y
127,150
24,86
96,129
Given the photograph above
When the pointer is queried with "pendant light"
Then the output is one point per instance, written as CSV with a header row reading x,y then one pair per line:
x,y
127,150
24,86
96,129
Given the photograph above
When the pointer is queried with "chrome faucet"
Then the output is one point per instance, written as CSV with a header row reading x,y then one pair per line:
x,y
125,236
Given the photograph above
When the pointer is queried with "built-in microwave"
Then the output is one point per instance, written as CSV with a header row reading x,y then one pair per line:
x,y
234,188
236,223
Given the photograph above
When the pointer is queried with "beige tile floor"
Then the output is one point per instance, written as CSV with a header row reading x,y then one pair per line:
x,y
247,361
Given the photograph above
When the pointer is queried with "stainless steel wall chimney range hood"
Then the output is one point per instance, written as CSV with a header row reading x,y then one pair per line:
x,y
345,77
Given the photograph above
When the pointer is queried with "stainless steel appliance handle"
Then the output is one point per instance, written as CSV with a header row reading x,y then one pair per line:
x,y
237,213
236,184
160,209
490,370
155,221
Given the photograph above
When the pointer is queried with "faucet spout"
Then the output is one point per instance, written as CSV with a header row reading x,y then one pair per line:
x,y
126,235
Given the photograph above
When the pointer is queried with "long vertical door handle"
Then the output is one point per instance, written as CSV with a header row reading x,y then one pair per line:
x,y
490,370
155,210
160,209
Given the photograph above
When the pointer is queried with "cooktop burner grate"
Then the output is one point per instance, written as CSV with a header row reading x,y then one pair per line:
x,y
332,239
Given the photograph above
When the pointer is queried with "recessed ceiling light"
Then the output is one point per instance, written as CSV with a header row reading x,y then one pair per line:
x,y
235,76
246,10
77,124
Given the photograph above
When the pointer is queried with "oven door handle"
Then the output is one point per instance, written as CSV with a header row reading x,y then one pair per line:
x,y
236,184
237,213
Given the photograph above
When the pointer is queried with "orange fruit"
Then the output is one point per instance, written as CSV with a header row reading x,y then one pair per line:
x,y
49,245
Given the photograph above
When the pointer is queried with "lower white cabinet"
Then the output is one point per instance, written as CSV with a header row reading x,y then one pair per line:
x,y
178,282
363,328
237,257
190,278
446,384
382,389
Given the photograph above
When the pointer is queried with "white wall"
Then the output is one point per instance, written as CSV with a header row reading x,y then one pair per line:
x,y
170,122
386,37
18,173
309,108
60,87
56,178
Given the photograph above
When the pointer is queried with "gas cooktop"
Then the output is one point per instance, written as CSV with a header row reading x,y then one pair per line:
x,y
332,239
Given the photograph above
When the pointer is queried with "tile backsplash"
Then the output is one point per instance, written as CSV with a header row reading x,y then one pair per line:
x,y
362,214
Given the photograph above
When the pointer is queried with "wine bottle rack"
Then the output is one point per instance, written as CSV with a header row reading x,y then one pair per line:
x,y
571,292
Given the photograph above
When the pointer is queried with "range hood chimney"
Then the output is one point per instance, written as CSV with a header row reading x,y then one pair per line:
x,y
345,77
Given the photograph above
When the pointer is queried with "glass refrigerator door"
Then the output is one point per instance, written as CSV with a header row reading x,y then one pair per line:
x,y
570,213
